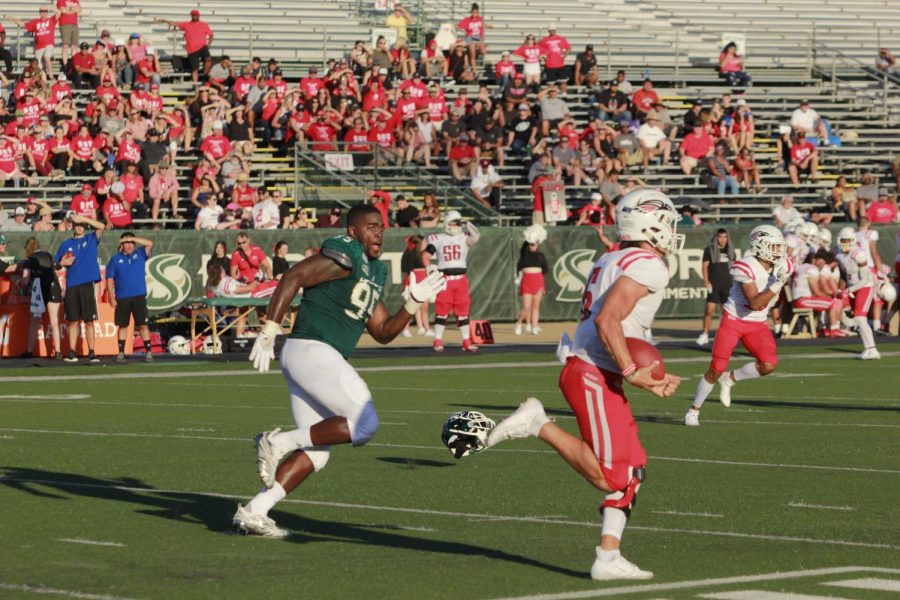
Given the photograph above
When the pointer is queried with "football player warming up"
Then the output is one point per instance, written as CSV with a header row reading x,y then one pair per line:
x,y
450,250
856,260
758,279
623,293
331,404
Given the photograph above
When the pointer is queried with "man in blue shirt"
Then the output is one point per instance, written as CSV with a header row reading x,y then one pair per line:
x,y
127,286
78,255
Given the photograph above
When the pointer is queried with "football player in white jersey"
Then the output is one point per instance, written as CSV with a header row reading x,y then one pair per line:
x,y
811,290
621,297
758,279
867,239
861,286
447,252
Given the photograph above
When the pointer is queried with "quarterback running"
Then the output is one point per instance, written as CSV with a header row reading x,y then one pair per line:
x,y
758,279
331,404
857,261
622,295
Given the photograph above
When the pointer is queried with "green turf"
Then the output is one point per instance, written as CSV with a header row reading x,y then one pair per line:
x,y
157,465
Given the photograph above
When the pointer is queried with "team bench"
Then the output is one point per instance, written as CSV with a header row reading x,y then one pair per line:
x,y
218,323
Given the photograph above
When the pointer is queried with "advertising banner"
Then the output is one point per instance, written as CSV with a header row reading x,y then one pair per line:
x,y
176,271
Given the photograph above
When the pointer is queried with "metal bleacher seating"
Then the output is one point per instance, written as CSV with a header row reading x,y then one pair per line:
x,y
826,60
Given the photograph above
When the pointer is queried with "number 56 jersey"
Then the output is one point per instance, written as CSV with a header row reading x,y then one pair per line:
x,y
336,312
643,267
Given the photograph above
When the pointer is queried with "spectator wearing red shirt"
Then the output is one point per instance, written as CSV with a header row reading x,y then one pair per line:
x,y
357,137
884,210
322,134
108,94
311,84
216,147
68,11
804,159
381,201
134,185
696,146
383,136
593,212
117,210
243,85
44,30
463,159
474,27
85,202
644,100
432,60
249,262
531,53
198,37
505,70
83,150
85,73
556,48
147,69
243,194
129,150
59,90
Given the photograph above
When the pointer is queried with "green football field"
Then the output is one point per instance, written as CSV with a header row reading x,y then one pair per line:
x,y
120,482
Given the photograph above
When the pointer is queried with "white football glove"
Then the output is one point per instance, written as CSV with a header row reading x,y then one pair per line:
x,y
263,351
421,291
783,271
432,268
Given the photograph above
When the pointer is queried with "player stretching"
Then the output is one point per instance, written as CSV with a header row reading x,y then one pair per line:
x,y
758,279
343,285
861,282
451,249
621,298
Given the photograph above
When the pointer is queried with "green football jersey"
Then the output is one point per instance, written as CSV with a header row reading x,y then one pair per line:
x,y
336,312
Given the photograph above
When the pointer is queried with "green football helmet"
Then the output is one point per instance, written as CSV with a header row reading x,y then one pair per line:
x,y
466,432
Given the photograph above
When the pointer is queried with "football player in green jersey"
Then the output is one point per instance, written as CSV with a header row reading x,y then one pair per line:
x,y
343,286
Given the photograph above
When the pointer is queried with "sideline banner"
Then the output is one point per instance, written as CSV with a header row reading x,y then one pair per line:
x,y
176,272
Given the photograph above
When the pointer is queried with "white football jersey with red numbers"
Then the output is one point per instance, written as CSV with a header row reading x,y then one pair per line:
x,y
862,240
748,270
859,274
450,250
643,267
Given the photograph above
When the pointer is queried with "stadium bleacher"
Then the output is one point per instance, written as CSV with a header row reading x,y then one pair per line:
x,y
828,61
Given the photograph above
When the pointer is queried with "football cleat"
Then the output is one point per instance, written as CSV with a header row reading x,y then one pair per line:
x,y
247,523
438,346
617,568
725,385
525,421
466,432
870,354
692,418
469,346
267,457
71,357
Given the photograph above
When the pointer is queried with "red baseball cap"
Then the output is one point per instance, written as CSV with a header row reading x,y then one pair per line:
x,y
195,13
86,186
517,75
154,86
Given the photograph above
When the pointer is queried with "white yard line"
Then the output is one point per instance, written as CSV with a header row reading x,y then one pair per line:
x,y
764,595
818,506
42,589
390,368
90,542
868,583
442,449
473,516
699,583
688,514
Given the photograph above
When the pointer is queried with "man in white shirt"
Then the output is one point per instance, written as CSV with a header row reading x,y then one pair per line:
x,y
653,140
809,122
486,184
785,212
265,213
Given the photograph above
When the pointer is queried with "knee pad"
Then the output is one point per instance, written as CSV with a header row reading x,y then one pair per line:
x,y
318,456
440,320
462,321
363,428
625,499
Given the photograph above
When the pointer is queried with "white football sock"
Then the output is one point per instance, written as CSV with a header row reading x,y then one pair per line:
x,y
439,331
865,332
703,390
266,499
614,520
464,332
288,441
748,371
876,324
